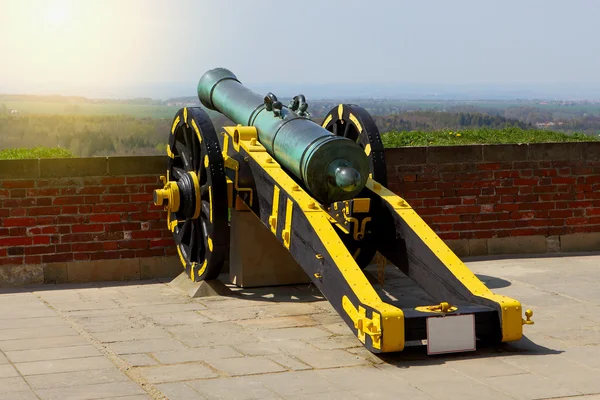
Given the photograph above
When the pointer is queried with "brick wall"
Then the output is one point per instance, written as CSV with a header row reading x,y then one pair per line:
x,y
66,212
92,219
504,198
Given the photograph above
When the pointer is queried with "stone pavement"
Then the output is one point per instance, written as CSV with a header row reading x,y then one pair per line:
x,y
145,340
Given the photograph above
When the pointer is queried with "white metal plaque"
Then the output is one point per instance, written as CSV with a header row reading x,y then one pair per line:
x,y
450,334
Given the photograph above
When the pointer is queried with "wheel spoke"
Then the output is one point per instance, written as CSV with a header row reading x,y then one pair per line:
x,y
194,242
199,239
178,173
184,153
335,128
346,129
184,232
204,192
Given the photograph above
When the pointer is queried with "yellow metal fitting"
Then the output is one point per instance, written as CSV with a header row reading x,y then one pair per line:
x,y
443,307
312,205
528,315
253,141
361,205
170,194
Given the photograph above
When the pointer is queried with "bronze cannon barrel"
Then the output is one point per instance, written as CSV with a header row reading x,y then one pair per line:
x,y
332,168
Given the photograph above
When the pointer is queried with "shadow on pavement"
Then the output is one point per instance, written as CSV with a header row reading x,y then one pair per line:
x,y
417,355
493,282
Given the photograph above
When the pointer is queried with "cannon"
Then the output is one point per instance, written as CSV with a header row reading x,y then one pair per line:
x,y
321,191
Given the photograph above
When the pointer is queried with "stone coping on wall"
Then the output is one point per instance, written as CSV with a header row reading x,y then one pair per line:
x,y
561,151
79,167
131,165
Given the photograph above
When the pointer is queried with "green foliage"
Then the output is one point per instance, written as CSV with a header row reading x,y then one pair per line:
x,y
85,135
479,136
37,152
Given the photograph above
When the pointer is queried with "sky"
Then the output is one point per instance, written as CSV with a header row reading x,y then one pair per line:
x,y
157,48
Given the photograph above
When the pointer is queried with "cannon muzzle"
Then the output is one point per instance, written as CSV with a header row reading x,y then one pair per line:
x,y
332,168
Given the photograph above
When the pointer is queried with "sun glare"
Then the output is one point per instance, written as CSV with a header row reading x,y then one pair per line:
x,y
58,15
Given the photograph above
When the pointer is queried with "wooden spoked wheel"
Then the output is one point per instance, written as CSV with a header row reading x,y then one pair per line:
x,y
195,194
355,123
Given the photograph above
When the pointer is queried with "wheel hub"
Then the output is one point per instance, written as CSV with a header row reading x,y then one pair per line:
x,y
181,196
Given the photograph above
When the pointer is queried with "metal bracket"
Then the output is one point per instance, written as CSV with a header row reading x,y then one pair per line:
x,y
364,325
342,213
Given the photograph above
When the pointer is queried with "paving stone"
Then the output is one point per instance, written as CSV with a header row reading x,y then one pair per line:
x,y
139,360
483,367
123,335
42,343
354,378
180,391
239,388
208,329
13,384
304,333
245,366
99,294
463,388
86,305
338,328
3,359
342,395
56,353
88,392
196,354
33,322
37,312
296,383
29,333
560,371
169,308
330,358
107,312
113,323
24,395
145,346
588,355
417,372
289,362
336,342
366,354
203,339
265,348
528,386
176,373
59,296
134,397
179,318
7,371
76,378
262,311
56,366
278,322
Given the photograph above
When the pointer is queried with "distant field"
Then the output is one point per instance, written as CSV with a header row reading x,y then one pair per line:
x,y
480,136
38,152
50,108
